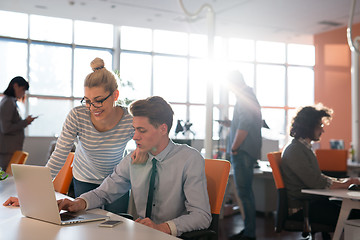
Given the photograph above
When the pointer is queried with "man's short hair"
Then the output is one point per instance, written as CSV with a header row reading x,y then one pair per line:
x,y
307,119
235,78
156,109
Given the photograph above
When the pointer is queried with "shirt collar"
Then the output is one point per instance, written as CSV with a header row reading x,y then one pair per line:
x,y
162,155
303,141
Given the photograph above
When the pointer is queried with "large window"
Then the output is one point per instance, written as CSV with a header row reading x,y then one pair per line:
x,y
54,54
276,71
13,60
18,27
82,58
50,29
137,69
170,78
48,70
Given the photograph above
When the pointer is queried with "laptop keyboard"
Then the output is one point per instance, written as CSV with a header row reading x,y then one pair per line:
x,y
66,216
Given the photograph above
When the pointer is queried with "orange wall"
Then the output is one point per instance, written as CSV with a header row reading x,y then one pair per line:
x,y
333,82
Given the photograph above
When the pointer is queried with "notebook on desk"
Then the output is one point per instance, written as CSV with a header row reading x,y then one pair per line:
x,y
37,197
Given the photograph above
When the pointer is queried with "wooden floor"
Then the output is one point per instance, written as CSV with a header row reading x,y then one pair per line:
x,y
233,224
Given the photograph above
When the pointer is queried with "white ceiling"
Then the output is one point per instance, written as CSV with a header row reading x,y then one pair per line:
x,y
274,20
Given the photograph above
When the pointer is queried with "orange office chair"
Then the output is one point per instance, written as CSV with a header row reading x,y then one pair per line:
x,y
332,162
18,157
63,179
283,221
217,174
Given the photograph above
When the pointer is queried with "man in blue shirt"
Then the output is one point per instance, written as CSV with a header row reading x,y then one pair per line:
x,y
245,148
180,200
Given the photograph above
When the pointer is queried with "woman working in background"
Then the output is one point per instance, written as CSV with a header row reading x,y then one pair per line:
x,y
102,129
11,124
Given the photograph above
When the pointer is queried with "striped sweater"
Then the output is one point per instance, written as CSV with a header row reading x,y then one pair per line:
x,y
97,153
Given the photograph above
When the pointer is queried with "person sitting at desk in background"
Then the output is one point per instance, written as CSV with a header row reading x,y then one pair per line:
x,y
180,199
102,128
300,169
11,125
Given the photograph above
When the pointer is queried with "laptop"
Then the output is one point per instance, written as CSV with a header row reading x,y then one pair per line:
x,y
37,197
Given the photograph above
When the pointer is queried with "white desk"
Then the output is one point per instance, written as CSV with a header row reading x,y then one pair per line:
x,y
353,169
350,201
14,226
264,188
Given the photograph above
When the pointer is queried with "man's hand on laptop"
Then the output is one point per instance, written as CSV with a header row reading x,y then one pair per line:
x,y
12,201
71,205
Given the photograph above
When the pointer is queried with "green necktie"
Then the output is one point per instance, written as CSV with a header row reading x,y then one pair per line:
x,y
151,189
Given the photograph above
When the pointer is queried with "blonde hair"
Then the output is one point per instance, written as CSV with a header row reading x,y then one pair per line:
x,y
101,77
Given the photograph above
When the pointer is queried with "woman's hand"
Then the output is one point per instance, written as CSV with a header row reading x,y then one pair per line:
x,y
30,119
12,201
139,157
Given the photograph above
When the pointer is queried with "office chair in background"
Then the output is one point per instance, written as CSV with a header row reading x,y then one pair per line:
x,y
333,162
18,157
63,179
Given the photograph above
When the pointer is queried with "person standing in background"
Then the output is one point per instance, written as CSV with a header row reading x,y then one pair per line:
x,y
244,147
11,124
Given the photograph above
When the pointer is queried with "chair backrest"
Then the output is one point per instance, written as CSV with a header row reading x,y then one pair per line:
x,y
282,206
332,159
275,160
18,157
282,221
217,174
63,179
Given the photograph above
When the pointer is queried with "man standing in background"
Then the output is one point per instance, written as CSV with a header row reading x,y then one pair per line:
x,y
244,147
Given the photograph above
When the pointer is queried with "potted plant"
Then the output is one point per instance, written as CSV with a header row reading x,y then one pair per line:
x,y
3,175
124,84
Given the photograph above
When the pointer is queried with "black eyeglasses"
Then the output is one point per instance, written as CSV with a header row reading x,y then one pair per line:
x,y
96,104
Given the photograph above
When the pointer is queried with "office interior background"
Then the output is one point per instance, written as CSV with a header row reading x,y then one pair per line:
x,y
54,54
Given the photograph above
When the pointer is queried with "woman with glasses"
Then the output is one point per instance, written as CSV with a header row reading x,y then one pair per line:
x,y
102,130
11,124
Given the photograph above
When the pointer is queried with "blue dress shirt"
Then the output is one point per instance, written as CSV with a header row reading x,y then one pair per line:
x,y
180,195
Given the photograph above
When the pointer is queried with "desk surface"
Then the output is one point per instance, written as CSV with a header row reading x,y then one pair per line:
x,y
352,164
350,201
264,167
340,193
14,226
